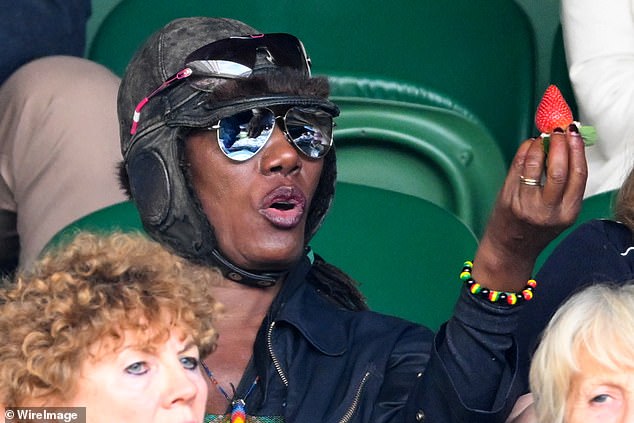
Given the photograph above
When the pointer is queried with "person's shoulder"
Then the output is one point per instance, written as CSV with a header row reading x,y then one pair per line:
x,y
316,304
612,227
389,323
598,229
382,332
602,229
594,247
322,321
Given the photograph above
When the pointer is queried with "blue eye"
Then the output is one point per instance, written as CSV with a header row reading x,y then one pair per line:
x,y
189,363
600,398
138,368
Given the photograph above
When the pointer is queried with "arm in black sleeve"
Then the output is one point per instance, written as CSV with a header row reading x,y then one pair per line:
x,y
472,367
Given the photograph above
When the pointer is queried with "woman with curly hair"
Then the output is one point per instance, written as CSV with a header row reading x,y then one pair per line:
x,y
113,323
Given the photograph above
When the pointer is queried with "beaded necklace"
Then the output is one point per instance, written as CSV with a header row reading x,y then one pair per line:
x,y
238,405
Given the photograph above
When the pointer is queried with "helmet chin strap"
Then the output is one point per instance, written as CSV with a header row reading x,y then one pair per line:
x,y
236,274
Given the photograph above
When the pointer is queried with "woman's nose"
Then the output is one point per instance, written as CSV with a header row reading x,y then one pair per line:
x,y
181,387
280,155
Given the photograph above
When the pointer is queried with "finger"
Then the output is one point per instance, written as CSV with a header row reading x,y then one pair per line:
x,y
517,166
516,170
556,176
578,167
520,157
530,179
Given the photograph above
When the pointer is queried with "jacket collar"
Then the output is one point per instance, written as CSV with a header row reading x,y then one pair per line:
x,y
319,321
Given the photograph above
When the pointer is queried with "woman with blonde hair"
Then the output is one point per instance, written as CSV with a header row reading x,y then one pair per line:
x,y
583,369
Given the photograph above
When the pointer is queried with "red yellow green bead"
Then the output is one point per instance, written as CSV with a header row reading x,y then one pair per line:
x,y
493,296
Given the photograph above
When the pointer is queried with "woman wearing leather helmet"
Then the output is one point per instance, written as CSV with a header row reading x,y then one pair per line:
x,y
228,156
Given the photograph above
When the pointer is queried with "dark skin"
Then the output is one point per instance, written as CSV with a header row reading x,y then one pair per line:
x,y
256,235
237,196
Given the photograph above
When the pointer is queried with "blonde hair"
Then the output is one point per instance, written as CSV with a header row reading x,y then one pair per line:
x,y
91,290
599,320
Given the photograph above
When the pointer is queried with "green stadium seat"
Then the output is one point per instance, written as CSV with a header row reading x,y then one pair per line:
x,y
405,252
424,151
122,217
100,9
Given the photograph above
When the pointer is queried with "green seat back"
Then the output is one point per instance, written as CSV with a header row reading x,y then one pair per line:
x,y
480,53
427,152
598,206
406,252
100,9
122,217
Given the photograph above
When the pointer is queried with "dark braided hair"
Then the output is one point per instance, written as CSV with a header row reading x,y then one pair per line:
x,y
336,285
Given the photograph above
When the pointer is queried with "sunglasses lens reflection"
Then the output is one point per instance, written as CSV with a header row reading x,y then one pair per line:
x,y
242,135
310,130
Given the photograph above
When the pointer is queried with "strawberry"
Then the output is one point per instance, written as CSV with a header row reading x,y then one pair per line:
x,y
553,111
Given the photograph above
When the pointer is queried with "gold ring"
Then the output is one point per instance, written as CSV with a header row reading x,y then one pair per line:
x,y
530,182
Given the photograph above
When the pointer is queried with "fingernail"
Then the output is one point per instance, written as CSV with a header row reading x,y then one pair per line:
x,y
572,128
558,130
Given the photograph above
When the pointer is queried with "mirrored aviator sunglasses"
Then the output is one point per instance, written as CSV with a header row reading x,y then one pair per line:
x,y
243,134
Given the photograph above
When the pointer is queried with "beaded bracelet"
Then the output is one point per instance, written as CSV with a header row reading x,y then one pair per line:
x,y
511,298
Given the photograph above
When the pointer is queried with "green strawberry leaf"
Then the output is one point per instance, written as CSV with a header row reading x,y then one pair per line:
x,y
588,133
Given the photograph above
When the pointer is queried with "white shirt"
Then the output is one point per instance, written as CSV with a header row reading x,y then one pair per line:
x,y
599,40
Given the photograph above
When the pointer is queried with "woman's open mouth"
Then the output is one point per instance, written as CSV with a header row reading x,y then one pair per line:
x,y
284,207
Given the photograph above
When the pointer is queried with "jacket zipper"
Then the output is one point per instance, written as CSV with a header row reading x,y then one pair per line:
x,y
276,362
355,401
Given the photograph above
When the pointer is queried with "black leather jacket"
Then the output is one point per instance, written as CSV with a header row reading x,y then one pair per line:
x,y
318,362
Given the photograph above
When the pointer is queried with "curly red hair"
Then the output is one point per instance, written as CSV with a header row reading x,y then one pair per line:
x,y
91,290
